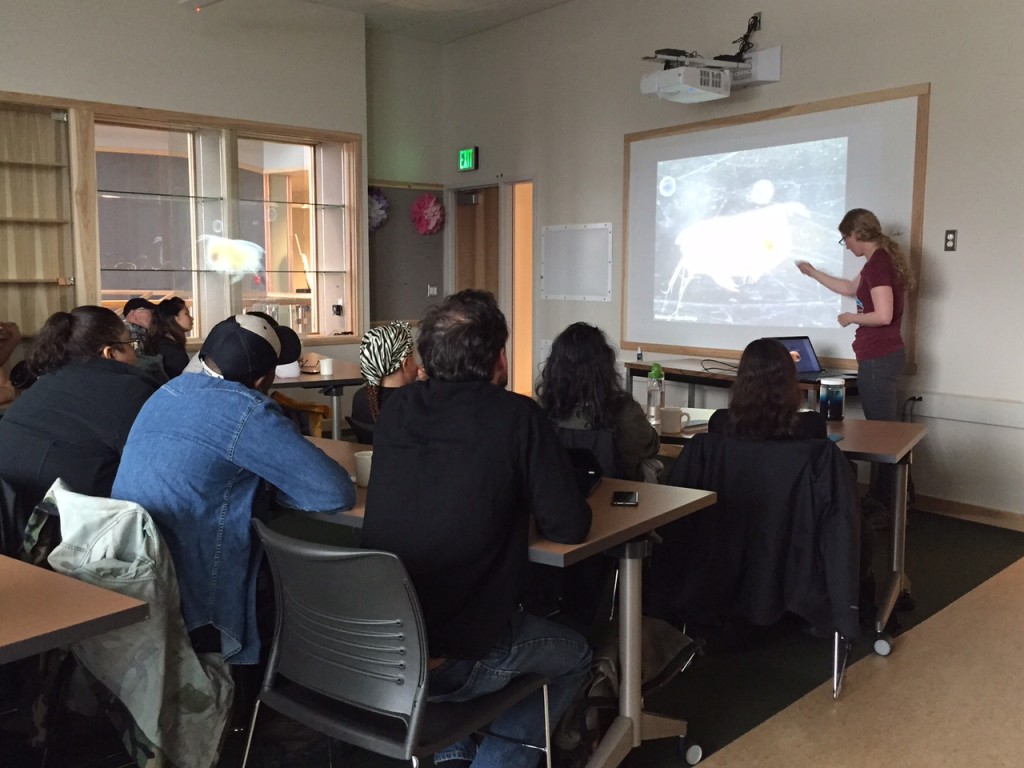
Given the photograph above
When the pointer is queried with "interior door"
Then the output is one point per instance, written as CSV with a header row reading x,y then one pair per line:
x,y
477,239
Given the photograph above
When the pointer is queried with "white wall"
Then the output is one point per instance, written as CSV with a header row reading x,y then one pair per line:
x,y
278,61
403,109
552,96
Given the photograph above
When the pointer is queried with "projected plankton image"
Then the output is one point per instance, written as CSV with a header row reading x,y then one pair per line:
x,y
730,227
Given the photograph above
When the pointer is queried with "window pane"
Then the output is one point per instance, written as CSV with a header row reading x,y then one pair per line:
x,y
276,214
146,213
272,234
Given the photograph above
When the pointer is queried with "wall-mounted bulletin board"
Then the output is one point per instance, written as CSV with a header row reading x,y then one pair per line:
x,y
576,262
403,263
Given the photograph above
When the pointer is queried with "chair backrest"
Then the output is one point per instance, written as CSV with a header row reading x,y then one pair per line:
x,y
600,442
364,431
784,534
349,626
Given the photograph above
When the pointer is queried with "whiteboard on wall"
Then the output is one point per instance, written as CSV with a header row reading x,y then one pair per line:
x,y
576,262
719,211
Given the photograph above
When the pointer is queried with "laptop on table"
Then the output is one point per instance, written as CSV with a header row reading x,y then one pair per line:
x,y
808,367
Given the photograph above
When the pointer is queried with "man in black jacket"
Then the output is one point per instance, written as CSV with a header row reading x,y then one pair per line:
x,y
460,465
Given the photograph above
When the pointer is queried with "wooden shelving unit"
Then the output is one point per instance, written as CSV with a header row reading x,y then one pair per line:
x,y
36,261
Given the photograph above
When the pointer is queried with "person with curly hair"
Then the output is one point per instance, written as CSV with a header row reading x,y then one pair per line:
x,y
579,388
387,363
765,401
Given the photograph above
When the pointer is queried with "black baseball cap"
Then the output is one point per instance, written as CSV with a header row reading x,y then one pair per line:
x,y
245,347
137,303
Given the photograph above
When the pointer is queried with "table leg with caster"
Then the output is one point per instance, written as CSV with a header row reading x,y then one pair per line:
x,y
897,586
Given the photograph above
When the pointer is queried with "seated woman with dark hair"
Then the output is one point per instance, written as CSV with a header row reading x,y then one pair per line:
x,y
766,398
166,337
74,421
387,363
579,388
765,403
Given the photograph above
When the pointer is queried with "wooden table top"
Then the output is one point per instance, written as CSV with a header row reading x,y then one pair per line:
x,y
883,442
42,609
345,374
692,367
659,504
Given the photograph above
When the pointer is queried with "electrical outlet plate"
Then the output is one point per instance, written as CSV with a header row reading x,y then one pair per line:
x,y
949,243
757,21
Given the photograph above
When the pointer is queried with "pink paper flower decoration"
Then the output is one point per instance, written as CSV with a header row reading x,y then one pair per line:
x,y
427,214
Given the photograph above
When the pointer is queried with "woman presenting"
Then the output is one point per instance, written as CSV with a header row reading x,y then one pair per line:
x,y
880,290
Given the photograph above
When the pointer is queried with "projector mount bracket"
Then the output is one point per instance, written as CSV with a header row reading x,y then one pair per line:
x,y
678,57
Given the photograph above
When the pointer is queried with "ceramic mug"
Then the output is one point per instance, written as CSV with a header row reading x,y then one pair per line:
x,y
673,419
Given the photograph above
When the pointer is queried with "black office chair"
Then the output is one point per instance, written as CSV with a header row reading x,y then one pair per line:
x,y
364,431
350,660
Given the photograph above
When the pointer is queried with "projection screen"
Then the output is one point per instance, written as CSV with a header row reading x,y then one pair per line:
x,y
719,212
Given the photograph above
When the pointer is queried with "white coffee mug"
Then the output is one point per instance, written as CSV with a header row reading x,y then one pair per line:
x,y
326,366
363,461
673,419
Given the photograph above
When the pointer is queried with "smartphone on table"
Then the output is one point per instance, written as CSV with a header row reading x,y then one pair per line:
x,y
625,498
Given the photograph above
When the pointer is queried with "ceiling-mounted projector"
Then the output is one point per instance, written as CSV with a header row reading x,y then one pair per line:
x,y
688,84
689,79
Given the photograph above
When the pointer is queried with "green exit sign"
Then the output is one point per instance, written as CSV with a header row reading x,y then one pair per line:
x,y
469,158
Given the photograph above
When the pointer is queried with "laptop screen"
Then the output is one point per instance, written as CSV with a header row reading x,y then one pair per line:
x,y
803,353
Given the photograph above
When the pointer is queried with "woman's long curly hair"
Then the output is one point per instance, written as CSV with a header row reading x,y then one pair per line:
x,y
766,396
865,225
579,378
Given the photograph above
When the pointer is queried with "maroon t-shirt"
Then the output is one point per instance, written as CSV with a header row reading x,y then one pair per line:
x,y
871,342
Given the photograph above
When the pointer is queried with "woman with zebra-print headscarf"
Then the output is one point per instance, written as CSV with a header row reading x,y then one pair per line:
x,y
387,362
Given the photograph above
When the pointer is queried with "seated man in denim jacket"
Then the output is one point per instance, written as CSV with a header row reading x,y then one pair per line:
x,y
201,458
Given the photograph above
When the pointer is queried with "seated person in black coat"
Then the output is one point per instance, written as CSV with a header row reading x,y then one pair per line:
x,y
766,398
74,421
387,363
166,337
764,403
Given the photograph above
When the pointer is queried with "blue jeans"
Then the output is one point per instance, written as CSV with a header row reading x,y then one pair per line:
x,y
530,645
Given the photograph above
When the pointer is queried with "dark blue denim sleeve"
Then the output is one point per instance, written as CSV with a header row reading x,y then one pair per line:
x,y
306,478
